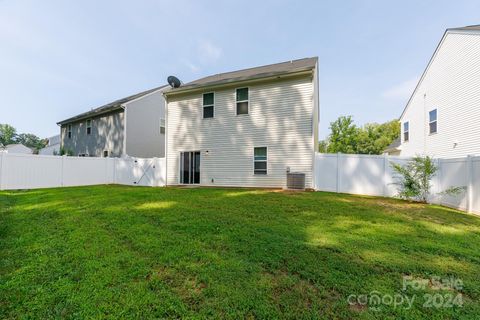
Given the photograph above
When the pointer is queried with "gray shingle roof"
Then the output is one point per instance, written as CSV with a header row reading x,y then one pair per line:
x,y
251,73
112,106
394,145
473,27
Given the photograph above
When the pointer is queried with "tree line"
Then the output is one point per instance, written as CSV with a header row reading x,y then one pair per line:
x,y
346,137
9,135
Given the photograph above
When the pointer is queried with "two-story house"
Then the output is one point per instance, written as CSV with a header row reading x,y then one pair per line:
x,y
442,117
244,128
132,126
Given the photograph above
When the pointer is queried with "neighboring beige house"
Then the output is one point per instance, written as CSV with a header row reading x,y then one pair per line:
x,y
393,148
132,126
442,117
244,128
18,148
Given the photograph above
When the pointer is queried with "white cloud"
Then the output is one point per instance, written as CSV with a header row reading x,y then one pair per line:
x,y
193,67
402,90
208,51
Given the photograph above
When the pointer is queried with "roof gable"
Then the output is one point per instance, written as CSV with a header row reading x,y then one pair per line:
x,y
112,106
475,28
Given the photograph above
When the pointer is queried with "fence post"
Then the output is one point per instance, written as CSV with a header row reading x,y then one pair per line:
x,y
2,176
62,173
338,173
469,184
438,198
114,170
385,160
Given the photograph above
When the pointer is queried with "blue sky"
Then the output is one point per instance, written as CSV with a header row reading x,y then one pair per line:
x,y
60,58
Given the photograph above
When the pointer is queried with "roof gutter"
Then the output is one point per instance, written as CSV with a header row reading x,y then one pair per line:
x,y
89,115
238,81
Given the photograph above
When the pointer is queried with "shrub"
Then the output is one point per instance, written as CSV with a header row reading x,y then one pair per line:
x,y
414,178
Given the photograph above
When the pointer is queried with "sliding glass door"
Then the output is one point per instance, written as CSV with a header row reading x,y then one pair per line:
x,y
190,167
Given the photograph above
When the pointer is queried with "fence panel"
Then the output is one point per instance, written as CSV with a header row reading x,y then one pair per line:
x,y
451,173
26,171
360,174
19,171
326,172
82,171
374,175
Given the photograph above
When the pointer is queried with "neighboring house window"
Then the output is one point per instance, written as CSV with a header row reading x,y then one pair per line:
x,y
260,160
69,131
89,126
162,126
242,101
208,105
105,153
432,122
405,131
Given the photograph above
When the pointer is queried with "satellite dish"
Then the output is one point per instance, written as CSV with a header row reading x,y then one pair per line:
x,y
173,81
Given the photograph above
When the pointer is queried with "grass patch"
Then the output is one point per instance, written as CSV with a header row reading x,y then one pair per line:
x,y
123,252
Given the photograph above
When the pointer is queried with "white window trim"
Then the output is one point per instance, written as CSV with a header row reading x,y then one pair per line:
x,y
209,105
429,122
403,131
247,101
87,126
69,131
266,161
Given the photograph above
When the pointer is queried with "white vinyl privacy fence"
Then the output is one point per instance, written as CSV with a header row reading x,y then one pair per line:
x,y
373,175
27,171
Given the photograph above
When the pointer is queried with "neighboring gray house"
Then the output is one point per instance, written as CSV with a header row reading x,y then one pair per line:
x,y
244,128
52,148
132,126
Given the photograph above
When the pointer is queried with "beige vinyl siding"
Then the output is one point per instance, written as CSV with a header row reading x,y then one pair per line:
x,y
452,86
280,118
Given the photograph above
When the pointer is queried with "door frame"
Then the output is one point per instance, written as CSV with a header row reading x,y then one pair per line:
x,y
181,164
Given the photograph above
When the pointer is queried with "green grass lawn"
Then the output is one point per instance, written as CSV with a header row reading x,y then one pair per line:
x,y
122,252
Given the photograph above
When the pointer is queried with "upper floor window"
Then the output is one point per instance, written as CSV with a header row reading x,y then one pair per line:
x,y
208,105
242,101
260,160
432,121
89,126
162,126
69,131
405,131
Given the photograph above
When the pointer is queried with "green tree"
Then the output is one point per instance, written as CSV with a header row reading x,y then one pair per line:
x,y
414,178
323,146
8,134
372,138
30,140
343,136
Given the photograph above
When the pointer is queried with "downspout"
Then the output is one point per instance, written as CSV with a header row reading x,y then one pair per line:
x,y
424,124
61,138
166,139
124,153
